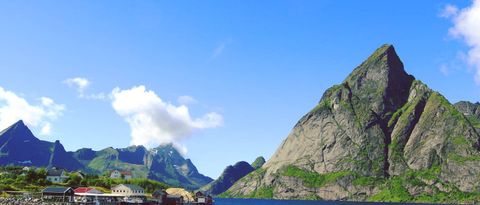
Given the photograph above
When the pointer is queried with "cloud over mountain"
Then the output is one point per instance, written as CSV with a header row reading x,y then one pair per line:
x,y
153,121
13,108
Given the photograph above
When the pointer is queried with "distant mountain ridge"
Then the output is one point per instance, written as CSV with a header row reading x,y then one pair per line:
x,y
18,146
230,175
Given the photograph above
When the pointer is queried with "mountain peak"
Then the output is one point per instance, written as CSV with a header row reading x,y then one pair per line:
x,y
387,54
19,123
382,63
381,78
18,130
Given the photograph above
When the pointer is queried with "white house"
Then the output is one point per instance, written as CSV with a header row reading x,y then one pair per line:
x,y
56,175
128,190
117,174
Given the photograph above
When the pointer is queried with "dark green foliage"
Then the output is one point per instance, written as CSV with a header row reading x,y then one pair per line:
x,y
314,179
393,191
368,181
13,178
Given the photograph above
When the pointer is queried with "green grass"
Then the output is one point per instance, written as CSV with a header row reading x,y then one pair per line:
x,y
258,193
263,193
462,159
368,181
394,191
314,179
474,120
460,140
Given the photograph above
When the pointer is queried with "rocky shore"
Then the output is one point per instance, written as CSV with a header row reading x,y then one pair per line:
x,y
22,201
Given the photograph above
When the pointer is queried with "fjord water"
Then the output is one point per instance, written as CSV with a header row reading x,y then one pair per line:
x,y
291,202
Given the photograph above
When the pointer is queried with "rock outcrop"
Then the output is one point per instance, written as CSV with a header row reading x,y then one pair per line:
x,y
380,135
258,163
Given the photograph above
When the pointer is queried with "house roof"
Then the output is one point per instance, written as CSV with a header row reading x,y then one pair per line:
x,y
54,172
122,172
199,193
86,190
57,190
159,192
82,189
130,186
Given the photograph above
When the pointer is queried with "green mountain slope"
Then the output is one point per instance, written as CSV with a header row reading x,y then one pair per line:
x,y
163,164
18,146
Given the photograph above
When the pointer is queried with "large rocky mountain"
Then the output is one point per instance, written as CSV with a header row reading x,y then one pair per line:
x,y
230,175
380,135
18,146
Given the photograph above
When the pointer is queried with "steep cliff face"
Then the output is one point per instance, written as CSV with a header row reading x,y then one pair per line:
x,y
60,158
379,130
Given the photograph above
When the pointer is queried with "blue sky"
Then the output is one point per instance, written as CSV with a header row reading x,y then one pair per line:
x,y
255,66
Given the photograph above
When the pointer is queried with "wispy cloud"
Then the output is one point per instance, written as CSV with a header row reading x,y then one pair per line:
x,y
14,108
186,100
448,11
153,122
466,26
454,65
220,49
81,84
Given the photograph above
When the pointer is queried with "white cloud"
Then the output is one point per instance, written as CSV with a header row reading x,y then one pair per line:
x,y
46,129
449,11
444,69
78,83
467,27
153,121
220,49
14,108
81,84
186,100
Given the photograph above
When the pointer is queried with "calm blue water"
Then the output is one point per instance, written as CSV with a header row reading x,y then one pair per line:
x,y
289,202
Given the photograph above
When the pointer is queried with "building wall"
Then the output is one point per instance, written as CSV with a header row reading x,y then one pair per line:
x,y
116,175
54,179
125,191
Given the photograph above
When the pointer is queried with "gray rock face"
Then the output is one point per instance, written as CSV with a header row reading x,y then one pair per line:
x,y
468,108
471,111
379,125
